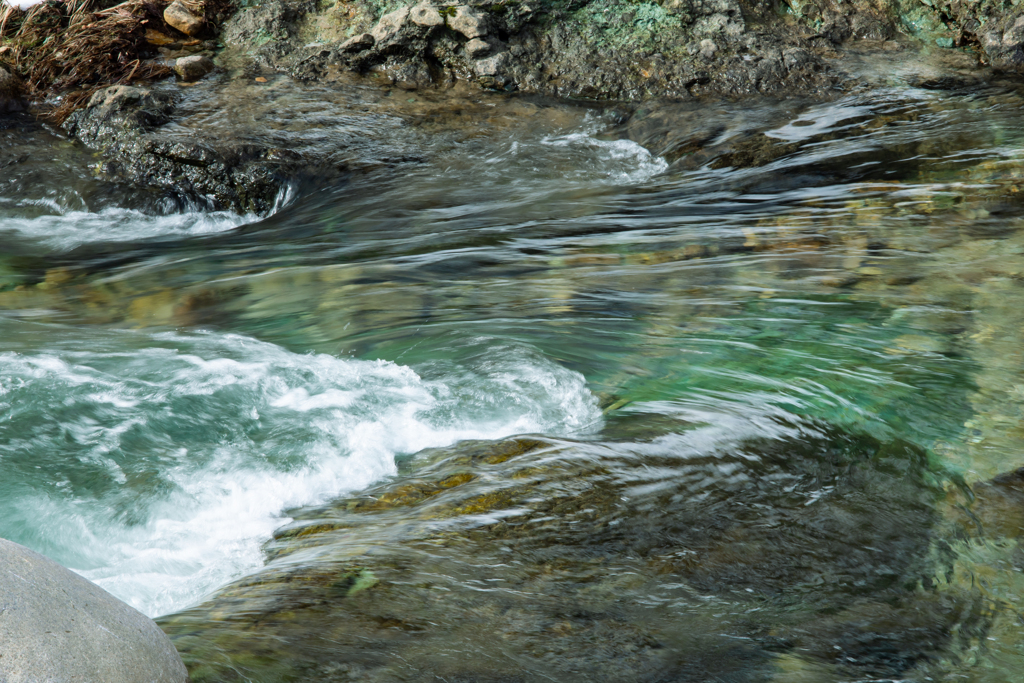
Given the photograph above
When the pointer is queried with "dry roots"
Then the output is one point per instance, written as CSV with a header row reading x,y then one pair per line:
x,y
74,47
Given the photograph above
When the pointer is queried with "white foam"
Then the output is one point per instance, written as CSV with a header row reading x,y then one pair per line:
x,y
818,121
210,438
64,228
620,161
74,228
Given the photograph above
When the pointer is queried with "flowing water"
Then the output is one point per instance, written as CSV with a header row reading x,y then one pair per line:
x,y
719,391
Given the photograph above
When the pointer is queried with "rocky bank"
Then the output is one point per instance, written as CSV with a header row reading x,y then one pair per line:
x,y
610,49
602,50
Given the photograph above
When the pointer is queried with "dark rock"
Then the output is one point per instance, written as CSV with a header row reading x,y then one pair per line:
x,y
124,123
265,29
11,93
1005,48
57,626
180,17
408,74
193,67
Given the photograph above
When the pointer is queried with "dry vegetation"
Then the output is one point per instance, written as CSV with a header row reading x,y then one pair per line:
x,y
64,50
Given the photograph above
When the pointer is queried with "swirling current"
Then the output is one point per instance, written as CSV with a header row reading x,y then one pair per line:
x,y
538,390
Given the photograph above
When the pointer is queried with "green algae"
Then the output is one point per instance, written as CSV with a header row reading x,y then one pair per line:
x,y
636,25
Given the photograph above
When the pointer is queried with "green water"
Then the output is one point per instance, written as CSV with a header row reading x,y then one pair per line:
x,y
540,391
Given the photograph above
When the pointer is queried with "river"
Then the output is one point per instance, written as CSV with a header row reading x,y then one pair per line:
x,y
539,390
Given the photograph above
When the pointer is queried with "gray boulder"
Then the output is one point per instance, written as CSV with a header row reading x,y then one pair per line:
x,y
426,15
1005,48
57,626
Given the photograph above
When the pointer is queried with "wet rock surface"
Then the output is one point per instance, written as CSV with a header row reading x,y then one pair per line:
x,y
601,52
57,626
588,565
124,123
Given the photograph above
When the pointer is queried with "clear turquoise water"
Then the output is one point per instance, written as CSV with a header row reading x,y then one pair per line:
x,y
175,384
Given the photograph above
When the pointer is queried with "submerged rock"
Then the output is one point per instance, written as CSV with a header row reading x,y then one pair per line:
x,y
193,67
683,564
57,626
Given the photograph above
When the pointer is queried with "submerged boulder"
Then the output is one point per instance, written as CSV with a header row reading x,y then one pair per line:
x,y
57,626
684,562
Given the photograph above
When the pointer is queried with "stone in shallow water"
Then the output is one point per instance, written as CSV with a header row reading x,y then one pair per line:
x,y
511,560
193,67
57,626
